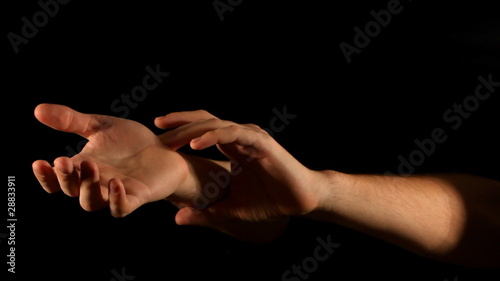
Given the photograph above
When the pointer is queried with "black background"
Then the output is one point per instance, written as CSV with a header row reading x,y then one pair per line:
x,y
356,117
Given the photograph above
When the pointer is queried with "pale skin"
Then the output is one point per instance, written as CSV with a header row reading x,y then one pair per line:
x,y
450,217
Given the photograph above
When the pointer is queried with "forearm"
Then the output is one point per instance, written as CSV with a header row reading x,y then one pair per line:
x,y
454,218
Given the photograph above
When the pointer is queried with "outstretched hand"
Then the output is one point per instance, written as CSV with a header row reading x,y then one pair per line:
x,y
124,165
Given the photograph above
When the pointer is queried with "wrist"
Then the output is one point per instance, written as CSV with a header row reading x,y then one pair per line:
x,y
187,189
330,187
199,175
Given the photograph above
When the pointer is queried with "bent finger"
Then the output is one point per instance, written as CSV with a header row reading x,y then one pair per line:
x,y
193,216
92,198
119,204
249,140
46,176
67,176
184,134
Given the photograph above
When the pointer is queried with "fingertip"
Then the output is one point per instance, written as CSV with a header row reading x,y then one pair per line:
x,y
63,165
159,122
38,165
185,216
193,143
40,110
38,169
66,119
46,176
197,143
45,112
180,218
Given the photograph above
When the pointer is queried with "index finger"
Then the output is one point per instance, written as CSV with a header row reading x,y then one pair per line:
x,y
177,119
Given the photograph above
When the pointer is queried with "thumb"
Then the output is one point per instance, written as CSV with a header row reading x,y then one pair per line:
x,y
193,216
65,119
255,232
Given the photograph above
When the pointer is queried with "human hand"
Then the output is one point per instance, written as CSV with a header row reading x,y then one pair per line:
x,y
266,182
124,165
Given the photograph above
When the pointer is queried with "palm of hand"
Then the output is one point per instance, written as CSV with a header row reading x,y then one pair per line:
x,y
118,150
130,152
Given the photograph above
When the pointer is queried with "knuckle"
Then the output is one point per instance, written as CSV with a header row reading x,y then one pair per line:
x,y
67,119
212,120
204,114
254,126
234,129
202,111
217,123
204,121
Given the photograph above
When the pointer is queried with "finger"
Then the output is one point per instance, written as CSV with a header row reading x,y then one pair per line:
x,y
250,141
67,176
220,211
193,216
246,230
184,134
176,119
65,119
118,202
46,176
91,196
